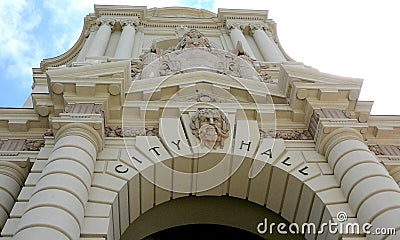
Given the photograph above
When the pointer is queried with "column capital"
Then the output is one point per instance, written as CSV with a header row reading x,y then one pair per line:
x,y
16,168
325,142
94,132
105,21
235,25
262,27
129,22
254,27
93,28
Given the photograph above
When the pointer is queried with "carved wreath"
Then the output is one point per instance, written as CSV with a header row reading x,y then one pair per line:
x,y
211,127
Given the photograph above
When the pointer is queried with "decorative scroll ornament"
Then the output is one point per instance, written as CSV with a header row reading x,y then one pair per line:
x,y
193,39
211,126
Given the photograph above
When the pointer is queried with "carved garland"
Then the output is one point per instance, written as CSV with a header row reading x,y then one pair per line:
x,y
287,134
117,131
388,150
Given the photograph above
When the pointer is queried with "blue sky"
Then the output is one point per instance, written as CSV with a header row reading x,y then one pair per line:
x,y
350,38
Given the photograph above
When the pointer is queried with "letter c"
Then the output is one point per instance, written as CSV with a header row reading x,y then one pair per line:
x,y
117,169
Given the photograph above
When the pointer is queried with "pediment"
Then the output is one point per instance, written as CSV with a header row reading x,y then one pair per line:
x,y
185,85
308,74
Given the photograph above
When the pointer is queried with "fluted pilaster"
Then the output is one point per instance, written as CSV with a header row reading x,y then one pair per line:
x,y
56,208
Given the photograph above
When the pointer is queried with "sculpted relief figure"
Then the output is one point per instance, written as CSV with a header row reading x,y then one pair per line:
x,y
193,38
211,126
195,51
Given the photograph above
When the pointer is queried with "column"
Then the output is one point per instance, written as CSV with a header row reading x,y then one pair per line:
x,y
268,48
56,209
90,34
100,41
236,35
371,192
12,178
137,48
126,41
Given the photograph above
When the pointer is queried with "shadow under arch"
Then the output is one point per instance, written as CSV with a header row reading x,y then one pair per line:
x,y
216,210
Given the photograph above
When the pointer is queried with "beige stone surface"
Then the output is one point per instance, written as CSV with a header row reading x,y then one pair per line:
x,y
294,187
318,184
279,178
17,210
38,166
10,227
244,149
259,184
25,194
100,195
97,227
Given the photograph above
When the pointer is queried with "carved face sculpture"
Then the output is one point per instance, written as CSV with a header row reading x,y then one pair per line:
x,y
210,126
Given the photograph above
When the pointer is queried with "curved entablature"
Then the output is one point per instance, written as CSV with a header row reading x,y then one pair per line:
x,y
180,12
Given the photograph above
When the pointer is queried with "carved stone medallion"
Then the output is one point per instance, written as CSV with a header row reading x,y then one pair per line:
x,y
211,126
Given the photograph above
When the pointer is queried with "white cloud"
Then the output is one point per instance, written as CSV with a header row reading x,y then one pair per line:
x,y
18,46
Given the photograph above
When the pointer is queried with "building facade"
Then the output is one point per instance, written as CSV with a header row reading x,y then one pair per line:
x,y
163,118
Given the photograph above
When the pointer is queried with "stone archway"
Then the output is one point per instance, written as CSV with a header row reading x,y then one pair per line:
x,y
290,183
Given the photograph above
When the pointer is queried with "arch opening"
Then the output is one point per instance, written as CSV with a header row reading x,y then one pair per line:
x,y
206,213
